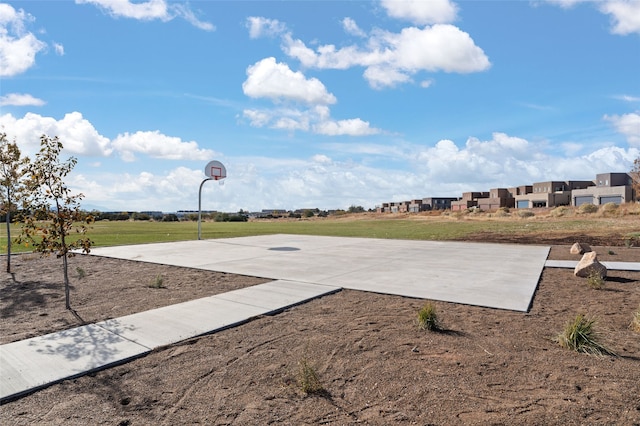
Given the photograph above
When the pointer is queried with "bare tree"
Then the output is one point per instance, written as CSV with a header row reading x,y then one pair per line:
x,y
12,173
54,211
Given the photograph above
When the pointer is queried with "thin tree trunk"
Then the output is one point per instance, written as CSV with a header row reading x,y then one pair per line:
x,y
66,282
9,240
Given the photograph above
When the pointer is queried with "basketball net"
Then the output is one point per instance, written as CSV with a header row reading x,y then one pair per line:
x,y
221,182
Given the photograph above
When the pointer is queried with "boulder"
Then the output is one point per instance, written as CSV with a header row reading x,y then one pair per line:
x,y
588,265
579,248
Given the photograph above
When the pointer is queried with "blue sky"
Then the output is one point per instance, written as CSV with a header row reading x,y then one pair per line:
x,y
322,104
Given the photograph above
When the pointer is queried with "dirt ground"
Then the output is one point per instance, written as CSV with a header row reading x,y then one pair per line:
x,y
376,367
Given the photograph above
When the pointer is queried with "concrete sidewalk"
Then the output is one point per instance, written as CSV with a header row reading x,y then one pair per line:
x,y
34,363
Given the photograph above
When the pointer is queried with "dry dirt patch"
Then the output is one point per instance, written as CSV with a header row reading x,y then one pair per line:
x,y
488,367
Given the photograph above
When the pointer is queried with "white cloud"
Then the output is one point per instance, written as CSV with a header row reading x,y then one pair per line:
x,y
392,58
156,145
18,47
352,127
322,181
628,125
276,81
20,99
352,28
625,15
628,98
77,134
422,12
59,48
149,10
264,27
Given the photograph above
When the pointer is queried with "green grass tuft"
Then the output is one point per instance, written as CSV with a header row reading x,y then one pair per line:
x,y
308,378
595,280
428,318
579,335
158,282
81,272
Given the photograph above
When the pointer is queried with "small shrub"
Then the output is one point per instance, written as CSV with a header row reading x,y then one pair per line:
x,y
158,282
428,318
579,335
81,273
635,322
611,252
525,213
308,379
587,208
632,240
610,208
595,280
503,212
559,211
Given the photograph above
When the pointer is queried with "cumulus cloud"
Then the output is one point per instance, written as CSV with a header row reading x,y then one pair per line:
x,y
156,145
288,89
422,12
270,79
506,161
625,15
149,10
79,137
628,125
325,181
18,47
391,58
20,99
77,133
315,119
264,27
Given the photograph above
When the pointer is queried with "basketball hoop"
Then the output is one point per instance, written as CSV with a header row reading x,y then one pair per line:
x,y
214,170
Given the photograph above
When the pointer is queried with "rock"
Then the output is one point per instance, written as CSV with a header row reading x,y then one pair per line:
x,y
579,248
589,264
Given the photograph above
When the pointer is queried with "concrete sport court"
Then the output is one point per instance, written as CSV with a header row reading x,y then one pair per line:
x,y
492,275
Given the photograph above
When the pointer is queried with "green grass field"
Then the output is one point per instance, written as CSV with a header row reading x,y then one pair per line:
x,y
106,233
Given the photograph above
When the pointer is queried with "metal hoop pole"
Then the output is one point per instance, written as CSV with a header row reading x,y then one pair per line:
x,y
200,204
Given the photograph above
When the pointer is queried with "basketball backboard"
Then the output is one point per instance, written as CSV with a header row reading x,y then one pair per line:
x,y
215,170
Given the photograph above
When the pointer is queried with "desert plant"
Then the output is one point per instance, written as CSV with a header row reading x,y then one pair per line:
x,y
632,240
635,322
158,282
595,280
307,377
610,208
525,213
81,272
428,318
559,211
587,208
579,335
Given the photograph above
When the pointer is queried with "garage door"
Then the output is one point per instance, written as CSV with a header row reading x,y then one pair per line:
x,y
585,199
612,199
